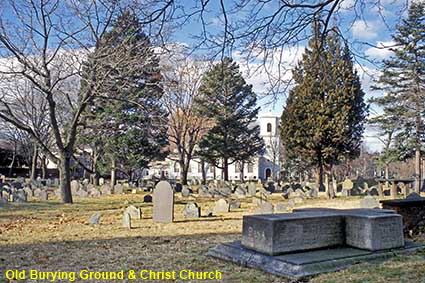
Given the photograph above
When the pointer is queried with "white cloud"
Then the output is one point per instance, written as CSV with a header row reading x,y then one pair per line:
x,y
381,51
365,29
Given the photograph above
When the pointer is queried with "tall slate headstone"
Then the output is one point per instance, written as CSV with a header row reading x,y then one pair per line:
x,y
163,203
126,220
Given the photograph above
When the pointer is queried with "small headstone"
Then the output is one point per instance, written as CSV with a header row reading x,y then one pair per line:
x,y
118,189
20,196
264,208
163,203
347,184
106,189
126,220
95,219
234,204
192,210
280,208
221,206
369,202
74,186
252,189
185,192
101,181
43,196
134,212
147,199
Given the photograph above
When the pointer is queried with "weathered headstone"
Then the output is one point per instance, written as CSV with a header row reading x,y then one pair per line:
x,y
74,186
185,192
234,204
118,189
126,220
192,210
264,208
95,219
369,202
221,206
20,196
134,212
43,196
163,203
101,181
252,189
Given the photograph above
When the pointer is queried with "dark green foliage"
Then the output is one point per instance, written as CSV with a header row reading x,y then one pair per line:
x,y
323,120
231,104
403,82
126,121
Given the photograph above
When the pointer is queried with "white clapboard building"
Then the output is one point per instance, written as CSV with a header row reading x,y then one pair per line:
x,y
260,167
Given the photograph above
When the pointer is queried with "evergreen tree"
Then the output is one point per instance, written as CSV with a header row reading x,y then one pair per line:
x,y
403,81
127,120
231,104
323,120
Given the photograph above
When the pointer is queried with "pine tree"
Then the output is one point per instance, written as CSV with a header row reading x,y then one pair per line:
x,y
231,104
127,120
403,81
323,120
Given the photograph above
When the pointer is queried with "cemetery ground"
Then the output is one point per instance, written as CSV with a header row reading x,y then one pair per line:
x,y
50,236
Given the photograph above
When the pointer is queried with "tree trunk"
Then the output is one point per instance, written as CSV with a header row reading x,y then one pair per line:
x,y
418,173
330,194
241,173
184,168
321,172
13,161
226,169
113,172
204,173
43,167
65,178
34,162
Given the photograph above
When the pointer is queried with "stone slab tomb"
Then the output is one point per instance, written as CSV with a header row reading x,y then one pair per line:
x,y
316,240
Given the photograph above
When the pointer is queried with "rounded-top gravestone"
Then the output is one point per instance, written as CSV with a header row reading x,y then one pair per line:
x,y
163,202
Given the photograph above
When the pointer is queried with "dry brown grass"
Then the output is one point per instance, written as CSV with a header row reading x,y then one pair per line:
x,y
51,236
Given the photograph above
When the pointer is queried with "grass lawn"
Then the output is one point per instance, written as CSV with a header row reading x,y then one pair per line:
x,y
50,236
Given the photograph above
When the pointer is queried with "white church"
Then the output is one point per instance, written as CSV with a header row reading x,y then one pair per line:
x,y
261,167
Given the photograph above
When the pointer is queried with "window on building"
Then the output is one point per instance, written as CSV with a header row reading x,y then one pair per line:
x,y
199,167
176,168
269,127
250,168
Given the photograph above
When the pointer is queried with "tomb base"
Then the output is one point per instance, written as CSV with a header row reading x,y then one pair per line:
x,y
298,265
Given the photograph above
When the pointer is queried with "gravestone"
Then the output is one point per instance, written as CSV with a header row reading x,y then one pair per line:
x,y
83,193
118,189
252,189
369,202
163,203
280,208
259,198
101,181
20,196
134,212
234,204
95,219
185,192
347,184
264,208
106,189
192,210
221,206
126,220
43,196
29,192
74,186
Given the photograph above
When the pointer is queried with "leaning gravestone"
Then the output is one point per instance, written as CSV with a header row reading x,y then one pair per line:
x,y
192,210
221,206
163,203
